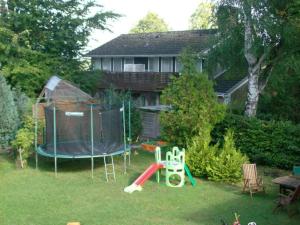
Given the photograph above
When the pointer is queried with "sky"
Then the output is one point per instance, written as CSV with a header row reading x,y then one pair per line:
x,y
175,13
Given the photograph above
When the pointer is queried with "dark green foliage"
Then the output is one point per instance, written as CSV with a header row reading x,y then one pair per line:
x,y
194,105
114,97
150,23
41,38
280,100
9,119
59,28
272,143
136,123
276,31
23,103
87,81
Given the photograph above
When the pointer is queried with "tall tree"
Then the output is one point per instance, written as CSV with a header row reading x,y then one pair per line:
x,y
150,23
203,17
9,119
57,31
256,28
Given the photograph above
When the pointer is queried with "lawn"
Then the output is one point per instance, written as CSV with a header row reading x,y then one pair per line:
x,y
37,197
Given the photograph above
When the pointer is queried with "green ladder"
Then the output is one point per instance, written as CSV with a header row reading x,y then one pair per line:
x,y
109,165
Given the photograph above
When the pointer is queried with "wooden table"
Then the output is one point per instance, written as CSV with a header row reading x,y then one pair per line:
x,y
287,182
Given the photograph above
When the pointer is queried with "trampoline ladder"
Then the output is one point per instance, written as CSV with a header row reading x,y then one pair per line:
x,y
110,166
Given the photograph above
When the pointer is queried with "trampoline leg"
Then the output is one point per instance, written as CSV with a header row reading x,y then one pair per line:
x,y
36,160
55,166
129,157
125,159
92,167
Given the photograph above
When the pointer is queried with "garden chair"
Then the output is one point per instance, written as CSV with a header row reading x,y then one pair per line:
x,y
285,200
296,170
252,182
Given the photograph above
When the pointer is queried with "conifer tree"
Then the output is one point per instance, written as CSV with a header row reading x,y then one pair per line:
x,y
9,119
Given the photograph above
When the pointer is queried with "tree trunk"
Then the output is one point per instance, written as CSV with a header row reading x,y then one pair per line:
x,y
253,69
253,93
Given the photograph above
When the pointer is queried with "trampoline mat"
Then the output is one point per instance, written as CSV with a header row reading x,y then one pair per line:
x,y
81,149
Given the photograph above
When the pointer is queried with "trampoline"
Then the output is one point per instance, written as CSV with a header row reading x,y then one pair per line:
x,y
76,128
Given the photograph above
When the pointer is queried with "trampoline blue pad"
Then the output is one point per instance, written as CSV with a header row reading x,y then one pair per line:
x,y
80,149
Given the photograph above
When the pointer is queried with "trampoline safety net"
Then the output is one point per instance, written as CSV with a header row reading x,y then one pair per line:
x,y
78,130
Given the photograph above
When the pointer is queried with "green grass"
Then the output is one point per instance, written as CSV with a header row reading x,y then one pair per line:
x,y
37,197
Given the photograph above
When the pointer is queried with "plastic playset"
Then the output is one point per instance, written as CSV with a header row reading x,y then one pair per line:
x,y
174,167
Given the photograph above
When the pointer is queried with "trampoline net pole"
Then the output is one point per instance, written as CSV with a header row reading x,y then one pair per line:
x,y
129,130
124,135
36,134
92,142
54,139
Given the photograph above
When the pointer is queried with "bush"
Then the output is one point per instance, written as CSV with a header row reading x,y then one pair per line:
x,y
218,164
194,105
200,154
226,166
9,119
272,143
24,139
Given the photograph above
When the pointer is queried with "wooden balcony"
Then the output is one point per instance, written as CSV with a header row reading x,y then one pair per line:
x,y
136,81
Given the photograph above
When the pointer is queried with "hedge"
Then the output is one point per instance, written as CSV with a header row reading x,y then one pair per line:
x,y
272,143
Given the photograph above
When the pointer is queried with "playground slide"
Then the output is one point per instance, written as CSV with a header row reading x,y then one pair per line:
x,y
137,184
188,172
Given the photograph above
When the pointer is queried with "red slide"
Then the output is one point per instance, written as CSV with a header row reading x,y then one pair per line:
x,y
144,176
148,173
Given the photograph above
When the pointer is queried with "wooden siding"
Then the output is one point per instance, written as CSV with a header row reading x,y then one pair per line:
x,y
136,81
150,124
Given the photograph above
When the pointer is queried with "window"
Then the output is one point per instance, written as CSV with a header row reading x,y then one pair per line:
x,y
128,60
153,64
178,66
117,65
167,64
106,64
97,64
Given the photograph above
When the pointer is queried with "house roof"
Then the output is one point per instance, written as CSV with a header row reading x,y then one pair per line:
x,y
158,43
228,86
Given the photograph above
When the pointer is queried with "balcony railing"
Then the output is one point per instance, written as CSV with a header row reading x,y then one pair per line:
x,y
136,81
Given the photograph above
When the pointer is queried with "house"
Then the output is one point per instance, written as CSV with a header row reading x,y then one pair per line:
x,y
144,63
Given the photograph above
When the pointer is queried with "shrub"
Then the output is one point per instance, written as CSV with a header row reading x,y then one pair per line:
x,y
9,119
136,123
194,105
200,153
272,143
24,139
226,166
218,164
